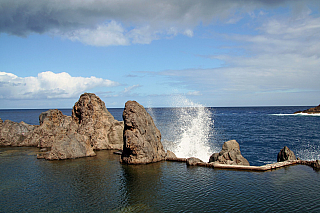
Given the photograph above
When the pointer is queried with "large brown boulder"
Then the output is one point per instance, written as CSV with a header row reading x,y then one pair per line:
x,y
230,154
70,145
286,154
13,134
141,138
53,124
96,122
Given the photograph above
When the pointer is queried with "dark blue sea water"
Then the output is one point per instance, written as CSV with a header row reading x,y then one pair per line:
x,y
102,184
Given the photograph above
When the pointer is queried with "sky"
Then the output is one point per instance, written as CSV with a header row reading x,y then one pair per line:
x,y
214,53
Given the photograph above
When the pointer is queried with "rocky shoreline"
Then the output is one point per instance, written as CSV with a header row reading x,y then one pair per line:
x,y
313,110
91,127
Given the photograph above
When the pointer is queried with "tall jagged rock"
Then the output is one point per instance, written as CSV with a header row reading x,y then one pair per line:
x,y
96,122
286,154
141,138
90,127
14,134
230,154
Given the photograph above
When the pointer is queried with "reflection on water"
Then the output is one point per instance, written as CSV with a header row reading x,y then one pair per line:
x,y
102,184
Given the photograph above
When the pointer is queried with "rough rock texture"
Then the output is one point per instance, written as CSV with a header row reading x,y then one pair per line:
x,y
72,145
141,138
53,124
13,134
96,122
193,161
312,110
90,127
285,154
230,154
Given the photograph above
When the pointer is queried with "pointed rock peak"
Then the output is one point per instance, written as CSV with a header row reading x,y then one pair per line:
x,y
88,107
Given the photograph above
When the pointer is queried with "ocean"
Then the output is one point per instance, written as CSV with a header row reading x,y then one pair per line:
x,y
102,184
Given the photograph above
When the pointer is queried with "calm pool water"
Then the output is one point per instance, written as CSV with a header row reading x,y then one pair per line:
x,y
102,184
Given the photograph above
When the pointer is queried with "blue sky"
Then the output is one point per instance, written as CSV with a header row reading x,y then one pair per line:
x,y
215,53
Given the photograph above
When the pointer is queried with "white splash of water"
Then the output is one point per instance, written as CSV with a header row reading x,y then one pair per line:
x,y
310,152
194,125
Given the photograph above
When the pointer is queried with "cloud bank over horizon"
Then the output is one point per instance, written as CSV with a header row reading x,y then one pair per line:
x,y
48,85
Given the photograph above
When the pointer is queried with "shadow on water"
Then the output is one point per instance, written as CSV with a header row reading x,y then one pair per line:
x,y
142,184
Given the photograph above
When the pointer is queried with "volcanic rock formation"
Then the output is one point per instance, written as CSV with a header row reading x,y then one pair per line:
x,y
72,145
53,124
96,122
14,134
90,127
141,138
285,154
313,110
230,154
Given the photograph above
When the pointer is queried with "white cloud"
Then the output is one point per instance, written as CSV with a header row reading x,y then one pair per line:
x,y
188,33
48,85
128,90
103,35
194,93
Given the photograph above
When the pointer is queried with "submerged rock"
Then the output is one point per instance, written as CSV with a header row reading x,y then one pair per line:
x,y
96,122
141,138
230,154
14,134
285,154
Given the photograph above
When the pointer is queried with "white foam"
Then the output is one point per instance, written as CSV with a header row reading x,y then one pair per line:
x,y
298,114
195,125
311,152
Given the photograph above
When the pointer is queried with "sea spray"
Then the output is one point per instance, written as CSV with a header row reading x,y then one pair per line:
x,y
309,152
191,129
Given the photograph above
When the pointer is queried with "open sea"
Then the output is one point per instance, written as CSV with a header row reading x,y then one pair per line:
x,y
102,184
